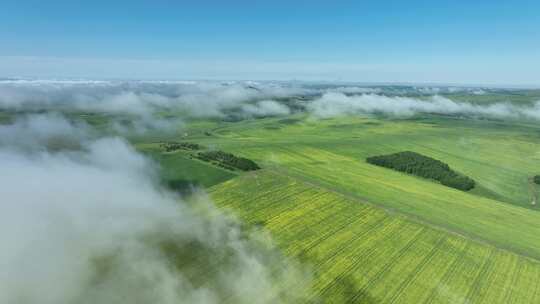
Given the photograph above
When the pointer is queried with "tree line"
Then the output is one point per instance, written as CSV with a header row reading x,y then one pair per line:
x,y
228,160
218,158
175,146
423,166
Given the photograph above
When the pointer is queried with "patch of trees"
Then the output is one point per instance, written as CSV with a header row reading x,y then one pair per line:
x,y
228,160
536,179
175,146
423,166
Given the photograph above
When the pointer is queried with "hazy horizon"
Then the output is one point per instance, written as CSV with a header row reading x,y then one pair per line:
x,y
482,43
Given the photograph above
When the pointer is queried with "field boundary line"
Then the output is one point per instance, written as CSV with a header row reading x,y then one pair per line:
x,y
411,217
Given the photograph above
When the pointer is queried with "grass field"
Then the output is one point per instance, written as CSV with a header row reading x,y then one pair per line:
x,y
499,155
360,253
331,153
374,235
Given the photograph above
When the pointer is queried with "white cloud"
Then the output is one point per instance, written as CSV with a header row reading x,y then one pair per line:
x,y
139,98
40,130
334,104
265,108
89,226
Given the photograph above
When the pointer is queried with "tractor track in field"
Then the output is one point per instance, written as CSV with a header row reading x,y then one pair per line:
x,y
343,246
492,277
483,276
418,269
393,260
360,256
449,273
291,223
337,229
537,287
515,278
331,231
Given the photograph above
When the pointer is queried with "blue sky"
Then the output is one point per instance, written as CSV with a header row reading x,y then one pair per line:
x,y
480,42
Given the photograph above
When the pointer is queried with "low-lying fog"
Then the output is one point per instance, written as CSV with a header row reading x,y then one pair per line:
x,y
89,223
148,102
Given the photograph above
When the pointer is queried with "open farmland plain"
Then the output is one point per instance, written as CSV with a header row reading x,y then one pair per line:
x,y
360,253
331,153
248,192
373,235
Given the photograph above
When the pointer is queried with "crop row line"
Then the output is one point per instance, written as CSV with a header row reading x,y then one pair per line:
x,y
486,267
293,206
418,269
366,253
269,193
537,287
515,277
332,232
328,230
394,259
235,197
277,200
458,260
378,224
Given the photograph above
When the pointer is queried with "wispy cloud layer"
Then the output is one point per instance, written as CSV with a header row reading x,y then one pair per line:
x,y
138,97
35,131
91,224
144,102
334,104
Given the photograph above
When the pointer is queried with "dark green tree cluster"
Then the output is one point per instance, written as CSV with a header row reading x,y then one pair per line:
x,y
175,146
536,179
423,166
228,161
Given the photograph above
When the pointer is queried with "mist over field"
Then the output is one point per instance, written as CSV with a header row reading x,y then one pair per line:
x,y
89,222
335,104
148,104
35,131
199,99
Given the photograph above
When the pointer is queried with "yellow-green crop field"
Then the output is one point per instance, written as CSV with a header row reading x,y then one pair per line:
x,y
364,254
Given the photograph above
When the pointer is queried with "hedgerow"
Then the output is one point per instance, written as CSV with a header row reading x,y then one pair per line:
x,y
228,160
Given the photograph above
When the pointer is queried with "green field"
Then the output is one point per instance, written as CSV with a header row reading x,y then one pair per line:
x,y
331,153
500,155
178,166
360,253
374,235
